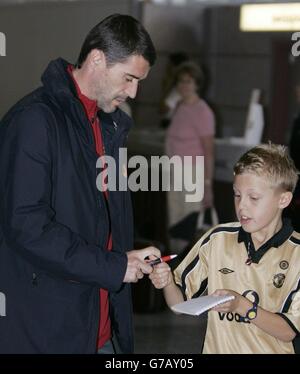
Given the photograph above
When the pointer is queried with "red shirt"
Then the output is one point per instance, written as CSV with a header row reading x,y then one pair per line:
x,y
91,109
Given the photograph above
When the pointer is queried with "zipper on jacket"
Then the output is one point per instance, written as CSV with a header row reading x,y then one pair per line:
x,y
101,200
115,140
34,280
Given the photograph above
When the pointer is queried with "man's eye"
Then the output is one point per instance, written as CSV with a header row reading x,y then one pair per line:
x,y
129,79
236,195
253,198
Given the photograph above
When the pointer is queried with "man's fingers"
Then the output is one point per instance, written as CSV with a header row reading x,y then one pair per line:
x,y
148,251
137,266
152,257
145,268
140,274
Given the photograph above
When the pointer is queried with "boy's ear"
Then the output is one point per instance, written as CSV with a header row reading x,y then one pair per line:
x,y
285,199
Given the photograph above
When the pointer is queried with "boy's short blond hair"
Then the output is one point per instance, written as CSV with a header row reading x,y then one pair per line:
x,y
271,161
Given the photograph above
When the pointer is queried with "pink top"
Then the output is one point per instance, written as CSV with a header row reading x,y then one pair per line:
x,y
190,122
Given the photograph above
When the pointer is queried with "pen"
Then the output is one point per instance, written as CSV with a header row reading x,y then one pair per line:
x,y
162,259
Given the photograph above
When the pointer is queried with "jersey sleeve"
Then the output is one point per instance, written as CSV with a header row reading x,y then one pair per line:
x,y
291,309
192,273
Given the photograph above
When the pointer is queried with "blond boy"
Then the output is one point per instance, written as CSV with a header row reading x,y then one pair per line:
x,y
256,259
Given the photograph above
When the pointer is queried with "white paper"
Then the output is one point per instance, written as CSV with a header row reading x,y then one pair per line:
x,y
200,304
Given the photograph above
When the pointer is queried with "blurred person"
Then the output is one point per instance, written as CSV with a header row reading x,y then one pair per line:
x,y
170,94
66,258
191,133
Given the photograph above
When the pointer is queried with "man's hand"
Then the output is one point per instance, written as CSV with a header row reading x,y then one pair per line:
x,y
137,266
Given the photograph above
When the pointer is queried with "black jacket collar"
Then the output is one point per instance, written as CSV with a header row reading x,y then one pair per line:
x,y
279,238
59,84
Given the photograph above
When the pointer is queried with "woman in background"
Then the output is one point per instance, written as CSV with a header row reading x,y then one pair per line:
x,y
170,95
191,133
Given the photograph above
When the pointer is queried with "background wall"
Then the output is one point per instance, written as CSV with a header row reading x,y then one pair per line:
x,y
37,32
236,62
173,29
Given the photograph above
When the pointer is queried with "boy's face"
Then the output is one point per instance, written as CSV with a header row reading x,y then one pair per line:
x,y
258,205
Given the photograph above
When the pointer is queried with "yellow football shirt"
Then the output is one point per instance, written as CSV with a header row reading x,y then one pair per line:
x,y
218,261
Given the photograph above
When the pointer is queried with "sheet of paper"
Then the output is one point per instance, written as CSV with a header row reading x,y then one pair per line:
x,y
200,304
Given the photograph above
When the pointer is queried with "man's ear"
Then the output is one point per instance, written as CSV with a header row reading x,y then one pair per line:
x,y
96,57
285,199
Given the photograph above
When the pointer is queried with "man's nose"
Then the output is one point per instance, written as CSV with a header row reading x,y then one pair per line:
x,y
131,89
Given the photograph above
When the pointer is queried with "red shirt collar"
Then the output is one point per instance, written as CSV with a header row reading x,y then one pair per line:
x,y
90,106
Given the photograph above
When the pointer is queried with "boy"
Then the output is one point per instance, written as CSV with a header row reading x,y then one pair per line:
x,y
256,259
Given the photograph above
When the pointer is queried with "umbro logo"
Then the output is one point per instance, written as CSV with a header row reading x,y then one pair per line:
x,y
226,271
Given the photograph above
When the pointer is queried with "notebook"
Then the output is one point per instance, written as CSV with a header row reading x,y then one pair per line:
x,y
200,304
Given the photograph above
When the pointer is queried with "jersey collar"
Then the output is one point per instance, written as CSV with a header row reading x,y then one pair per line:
x,y
279,238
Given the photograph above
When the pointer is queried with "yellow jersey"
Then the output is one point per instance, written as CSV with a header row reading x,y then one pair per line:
x,y
271,278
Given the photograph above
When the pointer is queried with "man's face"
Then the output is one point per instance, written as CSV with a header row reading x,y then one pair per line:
x,y
256,202
113,84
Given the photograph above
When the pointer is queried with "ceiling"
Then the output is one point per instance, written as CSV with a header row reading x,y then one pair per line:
x,y
215,2
173,2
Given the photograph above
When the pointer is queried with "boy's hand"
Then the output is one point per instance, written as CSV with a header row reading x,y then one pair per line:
x,y
239,304
161,275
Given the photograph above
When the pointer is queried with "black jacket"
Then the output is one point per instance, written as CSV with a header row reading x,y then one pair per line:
x,y
54,224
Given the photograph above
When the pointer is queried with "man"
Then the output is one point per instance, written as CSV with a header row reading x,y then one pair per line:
x,y
61,238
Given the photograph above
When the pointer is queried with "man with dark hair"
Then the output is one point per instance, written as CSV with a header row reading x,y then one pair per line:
x,y
118,37
66,258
